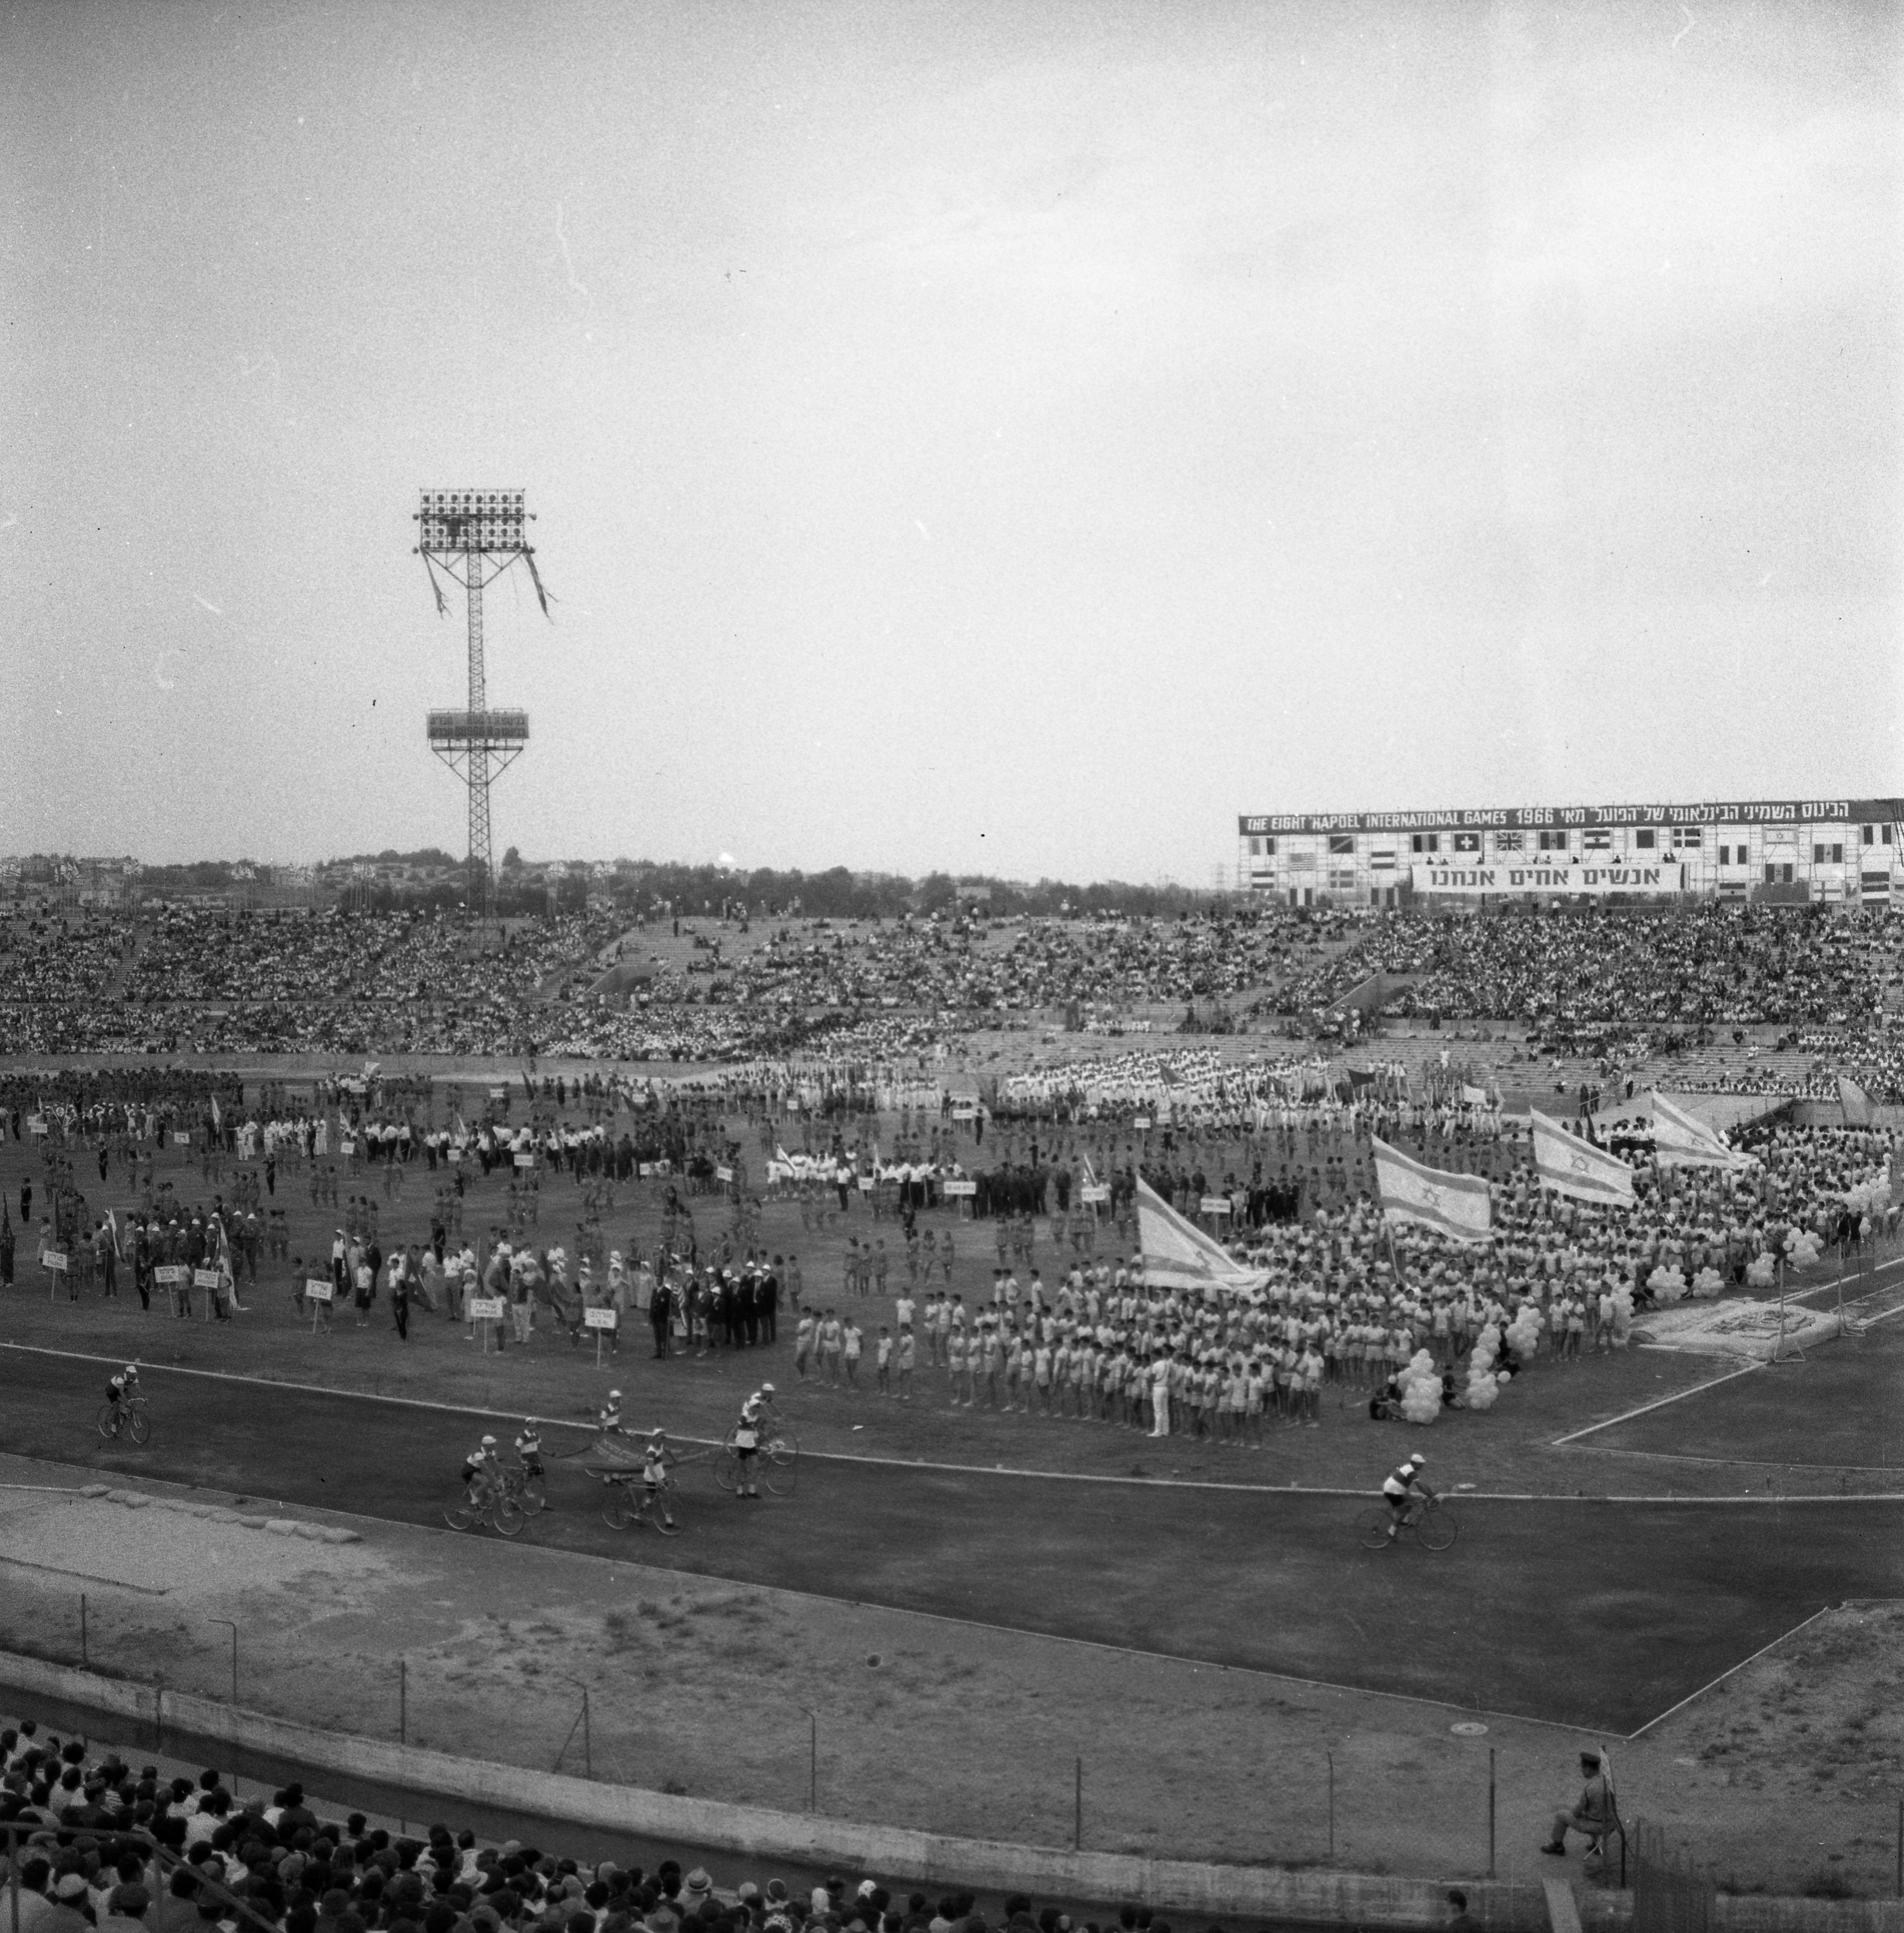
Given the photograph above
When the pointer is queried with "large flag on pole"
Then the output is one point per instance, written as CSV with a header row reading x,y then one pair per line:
x,y
1570,1165
1856,1103
1680,1139
1178,1255
1455,1204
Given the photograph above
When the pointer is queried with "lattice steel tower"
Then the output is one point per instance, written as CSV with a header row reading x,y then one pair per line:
x,y
473,536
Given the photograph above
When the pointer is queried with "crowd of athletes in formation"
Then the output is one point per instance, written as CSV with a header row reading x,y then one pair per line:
x,y
112,1847
991,1262
1629,982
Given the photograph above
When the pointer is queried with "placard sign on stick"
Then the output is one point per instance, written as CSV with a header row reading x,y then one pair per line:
x,y
525,1160
499,1093
54,1259
1216,1204
953,1190
34,1124
1141,1123
487,1310
603,1321
723,1174
865,1184
965,1114
317,1291
346,1148
180,1138
204,1278
1093,1193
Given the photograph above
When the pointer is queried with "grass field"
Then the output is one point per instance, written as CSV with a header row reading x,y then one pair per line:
x,y
1841,1409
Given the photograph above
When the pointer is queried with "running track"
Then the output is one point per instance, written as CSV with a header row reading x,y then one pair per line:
x,y
1592,1615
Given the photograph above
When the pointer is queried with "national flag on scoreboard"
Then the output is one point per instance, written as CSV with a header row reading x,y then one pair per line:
x,y
1455,1204
1680,1139
1572,1166
1856,1103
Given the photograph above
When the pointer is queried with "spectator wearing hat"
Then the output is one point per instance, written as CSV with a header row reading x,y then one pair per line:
x,y
67,1913
1593,1811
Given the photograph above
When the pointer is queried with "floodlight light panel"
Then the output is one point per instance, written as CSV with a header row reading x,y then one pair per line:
x,y
464,520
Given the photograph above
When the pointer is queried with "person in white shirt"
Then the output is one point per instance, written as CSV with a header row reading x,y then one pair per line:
x,y
1160,1394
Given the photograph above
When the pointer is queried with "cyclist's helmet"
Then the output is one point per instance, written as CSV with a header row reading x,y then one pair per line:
x,y
1418,1459
132,1369
615,1396
766,1389
656,1434
487,1441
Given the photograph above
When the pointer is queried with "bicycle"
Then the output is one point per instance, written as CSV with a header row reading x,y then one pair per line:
x,y
780,1462
129,1416
1431,1520
501,1508
630,1502
532,1487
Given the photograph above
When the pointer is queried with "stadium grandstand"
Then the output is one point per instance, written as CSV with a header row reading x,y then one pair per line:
x,y
1778,851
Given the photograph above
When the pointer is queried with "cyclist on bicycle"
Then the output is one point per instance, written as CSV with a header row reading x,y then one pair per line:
x,y
121,1389
608,1419
480,1470
655,1458
1402,1489
528,1446
747,1439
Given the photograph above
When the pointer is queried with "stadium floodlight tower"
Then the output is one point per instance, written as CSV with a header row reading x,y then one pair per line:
x,y
473,536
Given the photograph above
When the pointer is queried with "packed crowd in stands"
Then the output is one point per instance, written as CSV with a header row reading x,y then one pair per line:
x,y
195,980
116,1846
1708,964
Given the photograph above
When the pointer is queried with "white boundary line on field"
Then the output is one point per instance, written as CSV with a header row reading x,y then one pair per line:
x,y
975,1470
1730,1670
1657,1403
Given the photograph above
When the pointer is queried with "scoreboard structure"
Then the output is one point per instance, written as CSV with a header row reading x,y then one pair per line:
x,y
1845,852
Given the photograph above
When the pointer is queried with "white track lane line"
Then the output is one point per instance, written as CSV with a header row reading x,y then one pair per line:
x,y
976,1469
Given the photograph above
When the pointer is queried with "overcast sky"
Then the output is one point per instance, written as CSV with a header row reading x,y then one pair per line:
x,y
1014,438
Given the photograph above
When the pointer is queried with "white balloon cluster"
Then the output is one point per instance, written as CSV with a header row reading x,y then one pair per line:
x,y
1667,1285
1483,1380
1421,1383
